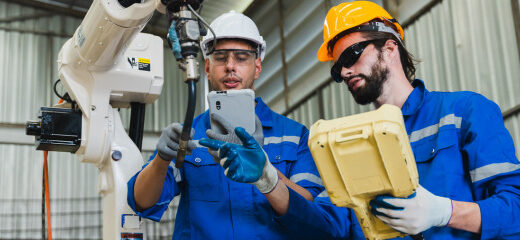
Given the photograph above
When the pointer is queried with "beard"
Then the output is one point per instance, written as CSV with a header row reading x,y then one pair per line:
x,y
373,84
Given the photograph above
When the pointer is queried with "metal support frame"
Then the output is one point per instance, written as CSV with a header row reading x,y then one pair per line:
x,y
11,133
67,11
25,17
419,13
515,8
511,112
36,32
282,47
50,7
14,134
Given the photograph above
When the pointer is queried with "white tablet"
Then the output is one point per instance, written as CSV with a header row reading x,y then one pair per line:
x,y
236,106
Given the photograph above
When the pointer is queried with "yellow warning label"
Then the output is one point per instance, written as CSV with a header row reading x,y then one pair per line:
x,y
144,60
142,64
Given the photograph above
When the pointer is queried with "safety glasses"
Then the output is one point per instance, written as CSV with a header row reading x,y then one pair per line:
x,y
348,58
239,56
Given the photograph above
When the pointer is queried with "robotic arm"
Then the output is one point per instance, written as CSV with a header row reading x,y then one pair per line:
x,y
108,61
109,64
183,37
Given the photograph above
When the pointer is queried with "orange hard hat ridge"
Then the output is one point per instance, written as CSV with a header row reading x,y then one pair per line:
x,y
349,15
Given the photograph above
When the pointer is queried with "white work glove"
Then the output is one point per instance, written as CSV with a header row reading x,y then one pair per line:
x,y
414,214
230,135
168,143
246,162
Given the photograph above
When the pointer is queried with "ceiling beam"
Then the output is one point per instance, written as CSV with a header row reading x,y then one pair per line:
x,y
25,17
408,11
50,7
77,13
36,32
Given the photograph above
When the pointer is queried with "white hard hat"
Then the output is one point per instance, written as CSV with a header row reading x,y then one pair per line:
x,y
234,25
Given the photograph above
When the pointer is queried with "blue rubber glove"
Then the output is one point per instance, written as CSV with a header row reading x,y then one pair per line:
x,y
414,214
246,163
229,135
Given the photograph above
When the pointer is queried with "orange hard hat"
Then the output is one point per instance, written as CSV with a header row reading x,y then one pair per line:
x,y
349,15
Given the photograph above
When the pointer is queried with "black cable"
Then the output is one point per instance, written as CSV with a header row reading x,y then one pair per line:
x,y
65,97
190,112
56,91
208,26
188,120
137,114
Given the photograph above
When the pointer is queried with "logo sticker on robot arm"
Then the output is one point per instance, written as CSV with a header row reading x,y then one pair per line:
x,y
142,64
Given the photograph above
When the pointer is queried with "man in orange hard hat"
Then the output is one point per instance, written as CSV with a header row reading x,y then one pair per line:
x,y
469,175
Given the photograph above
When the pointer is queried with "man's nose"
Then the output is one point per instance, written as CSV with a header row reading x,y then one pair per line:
x,y
346,72
230,63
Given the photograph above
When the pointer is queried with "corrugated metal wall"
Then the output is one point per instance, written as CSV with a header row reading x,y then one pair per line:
x,y
302,26
457,52
28,54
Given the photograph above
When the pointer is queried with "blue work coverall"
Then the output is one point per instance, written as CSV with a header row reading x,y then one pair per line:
x,y
215,207
464,152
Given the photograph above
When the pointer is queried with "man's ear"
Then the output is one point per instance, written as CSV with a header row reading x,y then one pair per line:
x,y
258,67
391,50
206,66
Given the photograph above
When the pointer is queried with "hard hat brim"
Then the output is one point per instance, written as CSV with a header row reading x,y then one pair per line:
x,y
323,53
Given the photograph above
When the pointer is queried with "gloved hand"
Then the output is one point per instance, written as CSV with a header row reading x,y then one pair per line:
x,y
414,214
246,163
168,143
230,135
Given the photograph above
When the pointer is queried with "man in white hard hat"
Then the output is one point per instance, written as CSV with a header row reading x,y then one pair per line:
x,y
268,186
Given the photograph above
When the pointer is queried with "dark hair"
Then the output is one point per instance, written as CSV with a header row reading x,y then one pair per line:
x,y
407,59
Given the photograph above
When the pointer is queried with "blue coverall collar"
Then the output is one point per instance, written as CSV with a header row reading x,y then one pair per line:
x,y
264,113
416,99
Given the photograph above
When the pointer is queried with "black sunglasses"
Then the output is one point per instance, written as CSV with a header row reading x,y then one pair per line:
x,y
348,58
